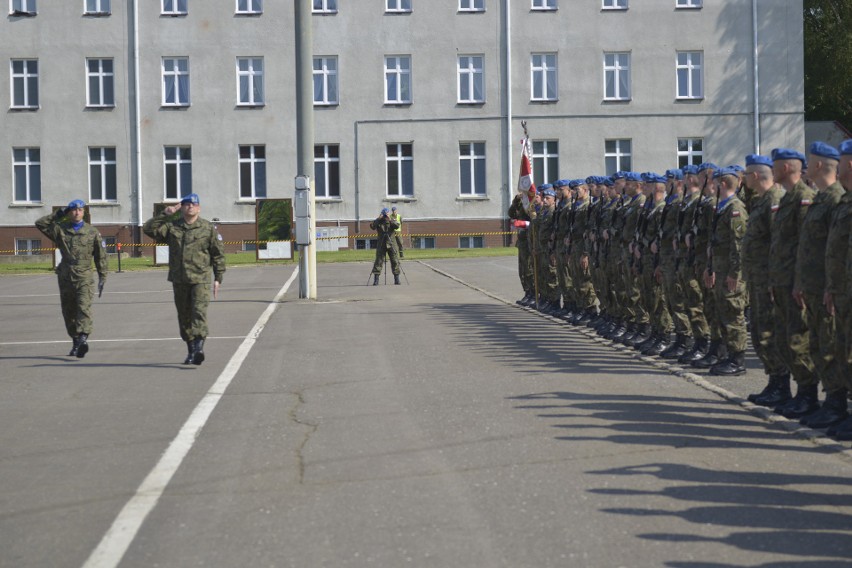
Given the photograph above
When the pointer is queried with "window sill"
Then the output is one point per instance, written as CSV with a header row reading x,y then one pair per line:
x,y
328,200
104,204
24,109
247,14
473,198
174,107
248,106
471,11
247,200
399,199
96,14
543,9
99,107
22,14
173,14
470,103
326,105
26,204
615,9
544,101
692,100
616,101
392,104
397,12
687,8
324,12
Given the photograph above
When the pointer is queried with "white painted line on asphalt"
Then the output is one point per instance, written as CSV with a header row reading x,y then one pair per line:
x,y
116,340
121,534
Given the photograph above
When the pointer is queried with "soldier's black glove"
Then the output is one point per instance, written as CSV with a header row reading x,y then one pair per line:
x,y
60,213
101,282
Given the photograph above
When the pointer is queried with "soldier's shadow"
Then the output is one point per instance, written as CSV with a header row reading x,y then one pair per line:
x,y
65,361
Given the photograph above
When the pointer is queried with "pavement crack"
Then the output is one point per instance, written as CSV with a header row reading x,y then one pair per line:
x,y
310,428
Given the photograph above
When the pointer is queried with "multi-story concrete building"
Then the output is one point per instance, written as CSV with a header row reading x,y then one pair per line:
x,y
418,103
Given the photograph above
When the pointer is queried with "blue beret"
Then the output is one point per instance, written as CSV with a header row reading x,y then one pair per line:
x,y
736,168
77,204
393,208
592,179
728,171
608,181
788,154
560,183
575,182
690,170
385,211
824,150
619,175
544,187
191,198
548,192
707,166
845,148
674,174
651,177
758,160
632,176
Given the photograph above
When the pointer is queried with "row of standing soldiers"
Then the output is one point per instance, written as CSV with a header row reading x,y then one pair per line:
x,y
672,265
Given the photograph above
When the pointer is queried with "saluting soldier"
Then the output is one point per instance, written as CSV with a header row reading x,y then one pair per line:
x,y
80,244
196,253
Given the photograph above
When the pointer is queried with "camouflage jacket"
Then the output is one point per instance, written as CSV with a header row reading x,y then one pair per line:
x,y
631,215
581,216
725,249
562,227
810,256
651,231
837,247
79,248
758,235
686,214
702,229
668,230
785,234
519,213
194,250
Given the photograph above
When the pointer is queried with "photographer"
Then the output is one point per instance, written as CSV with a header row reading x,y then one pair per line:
x,y
384,226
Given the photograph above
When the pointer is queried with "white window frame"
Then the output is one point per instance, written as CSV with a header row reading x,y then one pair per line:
x,y
325,7
170,69
544,70
691,68
179,163
692,155
541,160
471,5
402,77
32,175
614,5
545,5
615,65
23,7
619,154
253,7
469,161
102,78
689,4
471,241
327,79
30,82
471,75
255,163
97,8
326,161
254,75
402,163
174,7
398,6
30,247
105,166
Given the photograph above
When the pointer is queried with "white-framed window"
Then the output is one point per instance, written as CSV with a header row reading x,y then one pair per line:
x,y
22,7
617,76
618,155
174,7
109,244
366,244
100,83
614,4
545,4
400,170
471,5
472,168
24,83
422,242
27,247
471,242
690,151
688,3
175,81
471,72
250,81
690,74
327,171
543,76
397,79
325,81
252,161
26,165
325,7
177,172
250,7
103,179
98,7
397,5
545,161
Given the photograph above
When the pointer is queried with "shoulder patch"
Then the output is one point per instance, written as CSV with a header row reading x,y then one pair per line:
x,y
775,207
806,202
735,213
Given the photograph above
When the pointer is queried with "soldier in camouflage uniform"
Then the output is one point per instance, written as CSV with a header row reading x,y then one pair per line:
x,y
196,253
636,314
385,226
724,273
565,287
791,329
667,270
80,244
612,248
519,212
581,254
767,195
810,283
597,189
547,256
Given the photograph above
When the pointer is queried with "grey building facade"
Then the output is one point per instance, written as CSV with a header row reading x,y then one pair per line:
x,y
418,103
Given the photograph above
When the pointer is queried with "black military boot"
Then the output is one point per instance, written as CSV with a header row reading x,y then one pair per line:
x,y
523,301
83,346
805,402
620,331
643,334
188,360
588,315
699,350
197,351
712,356
665,342
733,366
375,279
778,394
770,384
648,343
74,347
396,279
834,411
842,430
677,348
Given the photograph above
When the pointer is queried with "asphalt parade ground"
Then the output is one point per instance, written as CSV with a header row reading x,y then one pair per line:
x,y
432,424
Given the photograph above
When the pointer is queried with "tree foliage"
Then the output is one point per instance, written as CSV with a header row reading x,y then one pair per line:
x,y
828,60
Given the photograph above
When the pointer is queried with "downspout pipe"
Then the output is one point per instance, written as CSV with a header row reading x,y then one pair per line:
x,y
137,122
756,82
507,89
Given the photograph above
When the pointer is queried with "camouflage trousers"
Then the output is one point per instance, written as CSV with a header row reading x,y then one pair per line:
x,y
763,328
843,338
191,301
821,339
547,288
653,295
791,336
675,301
634,308
730,314
564,281
75,297
710,311
582,279
693,296
397,239
616,281
525,265
389,249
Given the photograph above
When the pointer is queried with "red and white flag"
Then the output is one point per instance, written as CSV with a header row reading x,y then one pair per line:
x,y
525,181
